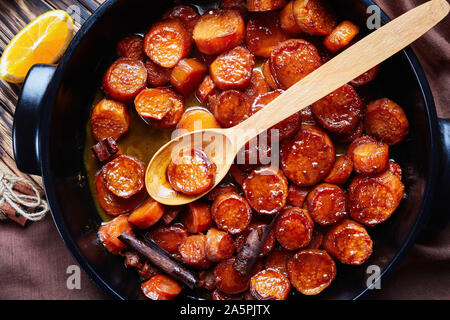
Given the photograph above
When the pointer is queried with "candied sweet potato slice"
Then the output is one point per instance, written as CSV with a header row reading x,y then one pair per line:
x,y
314,17
257,86
161,287
154,103
124,176
366,77
219,245
307,157
233,69
266,190
263,33
341,171
206,88
292,60
198,217
340,111
187,15
268,76
288,21
187,75
373,199
147,214
191,172
294,228
124,79
278,260
231,108
370,158
131,47
386,121
193,251
231,212
196,119
265,5
109,232
109,118
169,237
348,242
311,271
297,195
270,284
228,280
327,204
218,31
157,76
174,115
167,42
341,36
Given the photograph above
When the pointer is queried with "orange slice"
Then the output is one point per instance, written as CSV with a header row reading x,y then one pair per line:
x,y
43,40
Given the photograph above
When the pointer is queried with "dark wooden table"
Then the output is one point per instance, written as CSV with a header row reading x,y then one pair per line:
x,y
14,15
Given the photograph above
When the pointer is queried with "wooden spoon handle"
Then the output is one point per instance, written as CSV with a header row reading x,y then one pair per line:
x,y
354,61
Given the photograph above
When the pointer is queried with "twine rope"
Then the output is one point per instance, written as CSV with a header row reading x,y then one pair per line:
x,y
37,206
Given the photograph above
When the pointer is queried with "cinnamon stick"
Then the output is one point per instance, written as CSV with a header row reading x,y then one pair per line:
x,y
247,256
160,258
24,188
11,213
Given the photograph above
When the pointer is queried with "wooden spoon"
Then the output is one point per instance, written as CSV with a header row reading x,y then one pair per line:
x,y
222,145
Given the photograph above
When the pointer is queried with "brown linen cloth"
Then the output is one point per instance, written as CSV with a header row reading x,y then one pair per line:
x,y
34,260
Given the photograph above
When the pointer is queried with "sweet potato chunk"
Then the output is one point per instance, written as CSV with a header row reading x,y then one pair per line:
x,y
196,119
371,158
265,5
314,17
112,204
263,33
167,42
238,175
193,251
161,287
341,36
311,271
258,86
188,16
366,77
373,199
292,60
348,242
219,190
268,75
386,121
340,111
307,157
228,280
395,168
327,204
147,214
218,31
297,195
191,173
197,217
124,176
174,115
349,137
169,237
270,284
154,103
233,69
109,232
266,190
187,75
294,228
278,260
357,142
288,21
206,88
231,212
157,76
109,118
341,171
131,47
231,108
219,245
124,79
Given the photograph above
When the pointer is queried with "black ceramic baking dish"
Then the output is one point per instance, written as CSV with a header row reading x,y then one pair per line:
x,y
54,107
